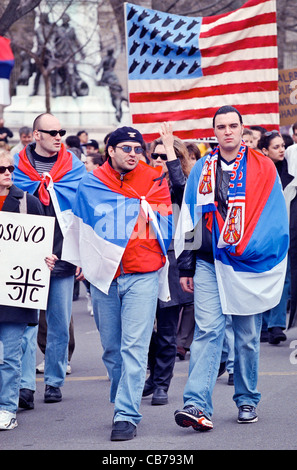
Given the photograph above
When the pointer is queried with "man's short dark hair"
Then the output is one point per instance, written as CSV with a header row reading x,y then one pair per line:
x,y
96,158
260,129
81,132
73,141
225,110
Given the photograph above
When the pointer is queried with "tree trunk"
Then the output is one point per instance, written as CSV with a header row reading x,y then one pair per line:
x,y
47,84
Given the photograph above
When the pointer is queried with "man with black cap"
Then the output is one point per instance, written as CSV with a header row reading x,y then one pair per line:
x,y
91,146
120,233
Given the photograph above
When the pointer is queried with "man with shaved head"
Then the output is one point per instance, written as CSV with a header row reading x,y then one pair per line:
x,y
48,170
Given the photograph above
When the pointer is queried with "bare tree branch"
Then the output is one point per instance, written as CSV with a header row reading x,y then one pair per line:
x,y
14,11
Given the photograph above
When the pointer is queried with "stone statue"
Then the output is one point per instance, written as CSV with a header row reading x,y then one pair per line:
x,y
67,46
110,79
45,34
27,69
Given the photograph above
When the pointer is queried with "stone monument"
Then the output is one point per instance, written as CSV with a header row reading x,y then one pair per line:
x,y
85,91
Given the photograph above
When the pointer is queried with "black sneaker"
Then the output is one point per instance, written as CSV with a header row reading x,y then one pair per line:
x,y
191,416
276,335
52,394
247,414
26,399
123,431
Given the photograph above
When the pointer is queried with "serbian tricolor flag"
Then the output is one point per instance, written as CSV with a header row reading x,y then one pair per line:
x,y
58,186
250,266
6,65
105,215
182,69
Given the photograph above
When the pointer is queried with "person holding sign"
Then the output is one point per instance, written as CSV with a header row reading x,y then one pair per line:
x,y
13,320
48,170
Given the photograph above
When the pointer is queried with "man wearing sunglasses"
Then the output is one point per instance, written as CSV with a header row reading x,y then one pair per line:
x,y
124,210
46,169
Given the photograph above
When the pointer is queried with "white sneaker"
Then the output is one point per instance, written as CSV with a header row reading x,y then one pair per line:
x,y
7,420
68,369
40,368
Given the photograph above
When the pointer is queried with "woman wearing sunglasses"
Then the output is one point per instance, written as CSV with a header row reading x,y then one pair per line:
x,y
272,145
172,154
13,320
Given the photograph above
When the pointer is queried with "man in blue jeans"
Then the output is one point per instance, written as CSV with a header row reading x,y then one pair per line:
x,y
48,170
235,264
120,233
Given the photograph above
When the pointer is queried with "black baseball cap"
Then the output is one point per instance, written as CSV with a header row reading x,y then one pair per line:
x,y
125,134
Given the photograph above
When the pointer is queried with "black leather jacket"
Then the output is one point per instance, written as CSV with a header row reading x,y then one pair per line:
x,y
187,260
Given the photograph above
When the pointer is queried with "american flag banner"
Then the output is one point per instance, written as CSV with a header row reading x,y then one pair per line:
x,y
182,69
6,65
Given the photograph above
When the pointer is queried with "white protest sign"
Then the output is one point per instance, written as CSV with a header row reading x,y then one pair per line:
x,y
25,241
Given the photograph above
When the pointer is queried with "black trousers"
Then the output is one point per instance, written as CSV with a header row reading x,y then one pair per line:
x,y
162,350
42,333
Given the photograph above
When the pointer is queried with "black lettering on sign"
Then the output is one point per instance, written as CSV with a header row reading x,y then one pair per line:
x,y
20,233
24,284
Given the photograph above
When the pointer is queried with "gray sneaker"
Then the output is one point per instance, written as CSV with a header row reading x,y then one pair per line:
x,y
123,431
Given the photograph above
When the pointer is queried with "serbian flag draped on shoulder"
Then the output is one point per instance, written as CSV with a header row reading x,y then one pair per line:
x,y
6,65
181,69
111,214
250,246
59,185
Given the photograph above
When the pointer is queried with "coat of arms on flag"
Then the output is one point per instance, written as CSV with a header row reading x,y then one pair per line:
x,y
6,65
182,69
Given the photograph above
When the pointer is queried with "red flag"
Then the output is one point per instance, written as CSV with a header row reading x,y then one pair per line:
x,y
6,65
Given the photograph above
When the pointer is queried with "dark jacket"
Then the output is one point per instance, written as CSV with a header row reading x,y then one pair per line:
x,y
177,186
12,204
5,130
288,179
187,260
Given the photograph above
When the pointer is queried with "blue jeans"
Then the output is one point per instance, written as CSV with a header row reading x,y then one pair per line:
x,y
277,316
11,335
58,315
228,346
29,346
206,348
125,320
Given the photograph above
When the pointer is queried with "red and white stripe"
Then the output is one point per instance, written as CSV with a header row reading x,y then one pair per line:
x,y
239,63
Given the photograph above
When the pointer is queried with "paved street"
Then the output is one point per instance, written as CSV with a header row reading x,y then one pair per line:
x,y
83,419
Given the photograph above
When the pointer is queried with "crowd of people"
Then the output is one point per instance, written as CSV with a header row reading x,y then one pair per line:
x,y
204,268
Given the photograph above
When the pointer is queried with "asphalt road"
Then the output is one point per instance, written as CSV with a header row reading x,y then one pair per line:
x,y
82,421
